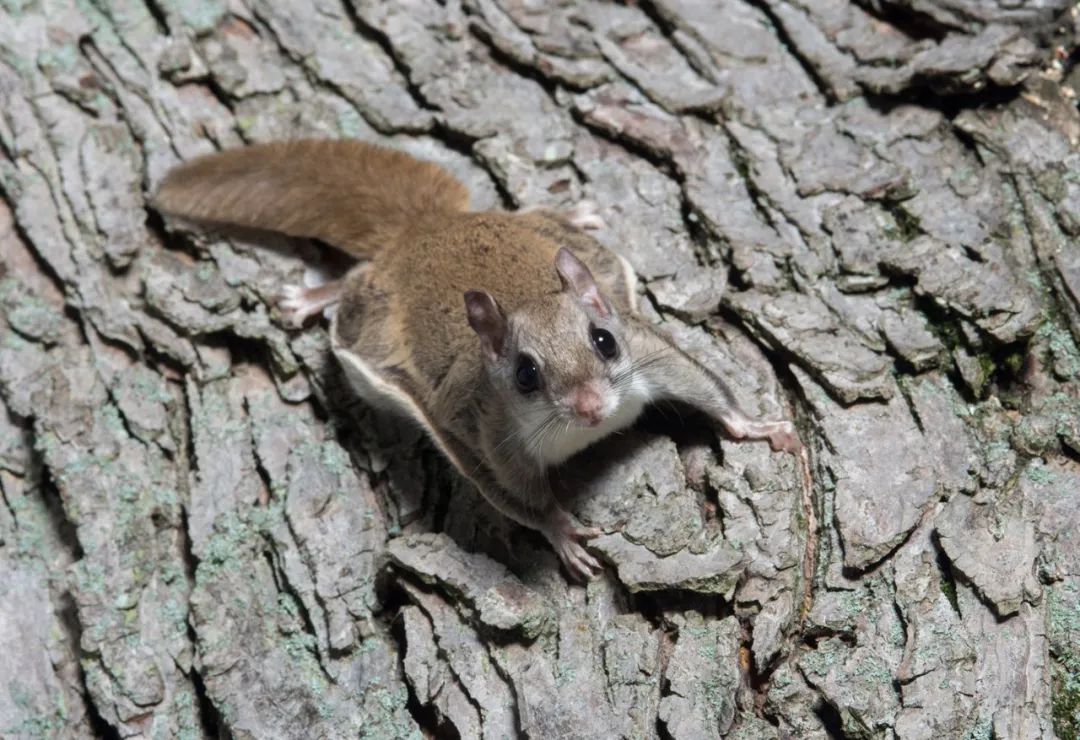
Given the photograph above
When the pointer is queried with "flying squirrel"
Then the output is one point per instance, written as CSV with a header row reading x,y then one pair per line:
x,y
511,338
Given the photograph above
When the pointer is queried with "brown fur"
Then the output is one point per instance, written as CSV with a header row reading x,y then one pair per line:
x,y
356,196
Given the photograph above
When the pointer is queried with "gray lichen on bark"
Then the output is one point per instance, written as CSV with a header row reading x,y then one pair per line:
x,y
203,532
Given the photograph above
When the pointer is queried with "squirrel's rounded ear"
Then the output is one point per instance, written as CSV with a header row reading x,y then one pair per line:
x,y
577,279
487,319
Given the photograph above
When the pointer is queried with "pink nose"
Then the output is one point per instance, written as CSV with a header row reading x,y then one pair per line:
x,y
587,405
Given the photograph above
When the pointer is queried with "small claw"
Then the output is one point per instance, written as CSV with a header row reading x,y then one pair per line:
x,y
579,563
592,562
588,533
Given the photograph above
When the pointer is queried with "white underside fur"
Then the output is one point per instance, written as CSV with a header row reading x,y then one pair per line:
x,y
560,447
367,384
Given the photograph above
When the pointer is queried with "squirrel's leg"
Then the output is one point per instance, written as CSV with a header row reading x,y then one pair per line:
x,y
671,374
528,500
298,304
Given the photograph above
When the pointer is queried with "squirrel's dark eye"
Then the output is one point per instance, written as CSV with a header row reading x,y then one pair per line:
x,y
526,375
604,343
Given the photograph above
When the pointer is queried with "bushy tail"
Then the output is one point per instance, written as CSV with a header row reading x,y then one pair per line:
x,y
358,197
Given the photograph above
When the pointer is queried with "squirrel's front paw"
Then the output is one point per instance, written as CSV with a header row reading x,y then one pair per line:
x,y
566,536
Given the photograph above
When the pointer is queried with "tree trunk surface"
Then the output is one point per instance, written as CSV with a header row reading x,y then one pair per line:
x,y
863,215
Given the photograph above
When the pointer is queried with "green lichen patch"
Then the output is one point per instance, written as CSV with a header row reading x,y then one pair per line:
x,y
1063,606
1064,354
1052,422
1065,685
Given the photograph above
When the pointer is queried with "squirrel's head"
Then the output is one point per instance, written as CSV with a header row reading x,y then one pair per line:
x,y
561,363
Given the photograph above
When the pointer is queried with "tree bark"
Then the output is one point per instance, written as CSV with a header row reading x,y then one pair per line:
x,y
204,534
